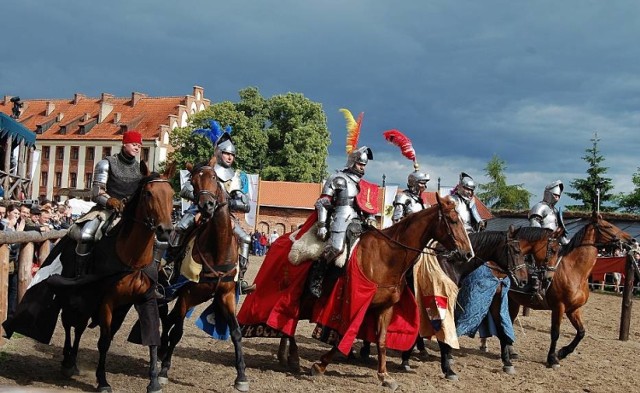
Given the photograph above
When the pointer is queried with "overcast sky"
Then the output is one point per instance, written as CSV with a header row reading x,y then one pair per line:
x,y
528,81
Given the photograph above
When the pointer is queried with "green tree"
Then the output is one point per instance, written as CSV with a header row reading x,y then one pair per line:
x,y
284,137
630,203
587,189
498,194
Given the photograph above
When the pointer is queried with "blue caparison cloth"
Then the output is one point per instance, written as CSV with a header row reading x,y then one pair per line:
x,y
474,299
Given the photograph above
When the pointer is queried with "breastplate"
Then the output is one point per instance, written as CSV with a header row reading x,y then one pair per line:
x,y
123,178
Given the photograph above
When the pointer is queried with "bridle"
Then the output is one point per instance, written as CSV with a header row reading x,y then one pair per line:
x,y
212,197
149,220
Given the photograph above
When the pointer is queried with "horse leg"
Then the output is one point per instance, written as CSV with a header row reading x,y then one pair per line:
x,y
282,351
514,309
556,320
483,344
172,330
69,367
446,360
320,368
405,357
505,341
229,310
575,317
154,384
365,351
104,342
294,356
384,318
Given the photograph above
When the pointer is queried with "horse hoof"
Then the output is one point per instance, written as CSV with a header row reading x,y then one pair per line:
x,y
70,371
156,389
316,370
509,370
555,366
163,380
104,389
242,386
452,377
484,348
282,360
294,367
406,367
391,384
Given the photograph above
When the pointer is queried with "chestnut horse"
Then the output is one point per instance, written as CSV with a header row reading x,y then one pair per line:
x,y
123,275
216,249
569,289
385,256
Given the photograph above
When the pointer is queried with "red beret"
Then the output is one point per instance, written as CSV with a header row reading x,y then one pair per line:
x,y
132,137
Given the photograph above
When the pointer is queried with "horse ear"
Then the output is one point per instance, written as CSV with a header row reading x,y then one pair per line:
x,y
170,170
213,161
438,199
189,166
511,233
144,169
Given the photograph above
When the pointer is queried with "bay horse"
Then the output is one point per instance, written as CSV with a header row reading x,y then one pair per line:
x,y
145,218
569,289
216,249
385,256
503,252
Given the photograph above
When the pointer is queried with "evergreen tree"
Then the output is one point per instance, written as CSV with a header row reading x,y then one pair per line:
x,y
630,203
499,195
587,189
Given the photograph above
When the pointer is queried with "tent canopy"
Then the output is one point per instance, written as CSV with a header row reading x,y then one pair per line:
x,y
9,126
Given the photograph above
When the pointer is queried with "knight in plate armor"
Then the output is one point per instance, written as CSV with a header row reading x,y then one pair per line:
x,y
336,209
115,179
236,183
410,200
544,214
463,195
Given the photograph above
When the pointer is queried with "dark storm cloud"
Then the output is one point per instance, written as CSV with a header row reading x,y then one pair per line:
x,y
529,82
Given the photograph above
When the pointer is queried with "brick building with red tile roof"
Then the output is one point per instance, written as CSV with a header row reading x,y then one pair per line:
x,y
72,135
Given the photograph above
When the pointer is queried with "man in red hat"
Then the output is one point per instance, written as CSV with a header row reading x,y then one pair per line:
x,y
115,178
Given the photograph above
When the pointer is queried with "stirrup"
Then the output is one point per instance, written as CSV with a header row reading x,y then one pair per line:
x,y
245,288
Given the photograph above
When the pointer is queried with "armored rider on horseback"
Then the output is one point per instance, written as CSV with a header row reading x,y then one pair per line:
x,y
115,179
466,204
236,184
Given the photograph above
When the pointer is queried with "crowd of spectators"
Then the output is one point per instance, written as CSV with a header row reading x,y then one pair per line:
x,y
16,217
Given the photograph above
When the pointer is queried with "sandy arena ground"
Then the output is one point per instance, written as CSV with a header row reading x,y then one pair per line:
x,y
601,363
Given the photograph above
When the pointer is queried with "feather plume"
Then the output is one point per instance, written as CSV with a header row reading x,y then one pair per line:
x,y
353,129
402,141
213,133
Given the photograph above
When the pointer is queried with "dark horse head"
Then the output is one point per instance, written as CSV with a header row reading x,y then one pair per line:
x,y
151,204
208,193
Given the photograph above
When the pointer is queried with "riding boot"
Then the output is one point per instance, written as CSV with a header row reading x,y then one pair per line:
x,y
316,277
245,288
82,264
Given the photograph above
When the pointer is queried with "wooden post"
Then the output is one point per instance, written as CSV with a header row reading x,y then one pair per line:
x,y
627,300
4,285
25,260
7,163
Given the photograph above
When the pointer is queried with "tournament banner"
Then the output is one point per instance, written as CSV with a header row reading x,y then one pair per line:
x,y
184,178
254,183
367,198
387,212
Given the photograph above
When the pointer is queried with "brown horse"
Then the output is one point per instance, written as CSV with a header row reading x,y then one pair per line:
x,y
216,249
569,289
385,256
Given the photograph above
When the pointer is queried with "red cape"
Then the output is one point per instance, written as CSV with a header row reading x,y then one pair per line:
x,y
276,306
344,317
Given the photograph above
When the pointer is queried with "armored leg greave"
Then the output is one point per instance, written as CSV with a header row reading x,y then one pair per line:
x,y
182,227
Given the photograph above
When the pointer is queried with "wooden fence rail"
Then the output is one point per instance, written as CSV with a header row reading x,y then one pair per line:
x,y
29,242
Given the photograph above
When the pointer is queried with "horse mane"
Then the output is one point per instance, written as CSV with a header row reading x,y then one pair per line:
x,y
401,226
575,241
533,233
131,206
486,239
